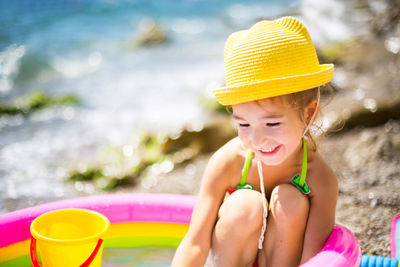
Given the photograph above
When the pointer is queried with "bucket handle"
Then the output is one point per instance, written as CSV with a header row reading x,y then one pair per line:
x,y
36,263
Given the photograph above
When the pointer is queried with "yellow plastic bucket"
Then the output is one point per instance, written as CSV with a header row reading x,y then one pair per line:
x,y
68,237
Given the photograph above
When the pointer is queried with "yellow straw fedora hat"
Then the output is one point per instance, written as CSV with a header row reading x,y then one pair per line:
x,y
272,58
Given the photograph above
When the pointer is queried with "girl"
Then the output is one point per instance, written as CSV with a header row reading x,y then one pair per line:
x,y
267,197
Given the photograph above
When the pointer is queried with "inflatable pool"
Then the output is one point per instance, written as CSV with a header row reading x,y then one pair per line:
x,y
139,220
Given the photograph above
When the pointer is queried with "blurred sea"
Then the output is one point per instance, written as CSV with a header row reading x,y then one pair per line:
x,y
86,48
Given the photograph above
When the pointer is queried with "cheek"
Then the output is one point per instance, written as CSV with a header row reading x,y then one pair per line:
x,y
244,135
285,135
290,135
297,130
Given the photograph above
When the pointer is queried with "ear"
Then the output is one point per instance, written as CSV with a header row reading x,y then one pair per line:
x,y
309,111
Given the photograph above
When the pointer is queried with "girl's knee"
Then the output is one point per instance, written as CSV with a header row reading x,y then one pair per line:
x,y
242,211
289,205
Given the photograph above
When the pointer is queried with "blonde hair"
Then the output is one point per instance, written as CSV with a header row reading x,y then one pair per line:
x,y
299,102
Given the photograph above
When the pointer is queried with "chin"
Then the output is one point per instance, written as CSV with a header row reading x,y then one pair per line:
x,y
271,162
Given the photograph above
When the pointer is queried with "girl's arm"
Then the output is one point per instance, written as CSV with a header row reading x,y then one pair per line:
x,y
321,218
195,246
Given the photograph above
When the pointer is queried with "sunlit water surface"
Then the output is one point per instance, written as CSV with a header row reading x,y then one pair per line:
x,y
86,48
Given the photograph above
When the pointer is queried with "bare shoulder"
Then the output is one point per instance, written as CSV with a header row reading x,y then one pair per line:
x,y
321,178
225,162
230,152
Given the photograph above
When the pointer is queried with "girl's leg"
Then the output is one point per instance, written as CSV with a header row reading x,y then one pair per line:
x,y
287,220
237,230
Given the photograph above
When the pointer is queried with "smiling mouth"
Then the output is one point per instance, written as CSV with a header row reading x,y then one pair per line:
x,y
269,151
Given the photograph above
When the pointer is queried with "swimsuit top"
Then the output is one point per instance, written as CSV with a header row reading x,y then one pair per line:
x,y
298,181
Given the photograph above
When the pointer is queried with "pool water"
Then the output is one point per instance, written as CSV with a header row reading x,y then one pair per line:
x,y
145,256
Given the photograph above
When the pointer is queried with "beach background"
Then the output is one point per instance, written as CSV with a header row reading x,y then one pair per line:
x,y
104,97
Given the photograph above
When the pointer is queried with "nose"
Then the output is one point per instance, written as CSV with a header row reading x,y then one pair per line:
x,y
258,138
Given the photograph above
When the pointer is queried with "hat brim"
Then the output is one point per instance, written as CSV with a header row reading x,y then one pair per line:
x,y
231,95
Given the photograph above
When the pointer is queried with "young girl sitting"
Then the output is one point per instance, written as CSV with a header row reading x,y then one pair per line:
x,y
267,197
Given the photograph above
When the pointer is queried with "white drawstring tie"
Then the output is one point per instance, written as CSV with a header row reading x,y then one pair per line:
x,y
264,200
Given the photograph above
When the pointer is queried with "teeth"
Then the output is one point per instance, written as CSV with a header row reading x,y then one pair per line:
x,y
268,150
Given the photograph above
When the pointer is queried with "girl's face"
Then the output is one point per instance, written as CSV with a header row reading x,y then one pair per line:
x,y
272,129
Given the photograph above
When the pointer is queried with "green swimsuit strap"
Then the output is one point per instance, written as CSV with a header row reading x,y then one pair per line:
x,y
245,171
300,181
304,166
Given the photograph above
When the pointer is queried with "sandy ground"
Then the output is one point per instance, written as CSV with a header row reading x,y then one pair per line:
x,y
367,163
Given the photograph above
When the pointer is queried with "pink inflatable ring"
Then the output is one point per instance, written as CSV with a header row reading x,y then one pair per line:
x,y
146,220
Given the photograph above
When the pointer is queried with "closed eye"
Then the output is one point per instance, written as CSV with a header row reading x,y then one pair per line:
x,y
244,125
273,124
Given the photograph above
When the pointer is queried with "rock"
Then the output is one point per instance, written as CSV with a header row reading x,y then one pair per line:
x,y
209,139
154,155
36,100
367,114
150,34
367,84
372,147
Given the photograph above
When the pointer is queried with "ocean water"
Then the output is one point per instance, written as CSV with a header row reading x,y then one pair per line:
x,y
86,48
